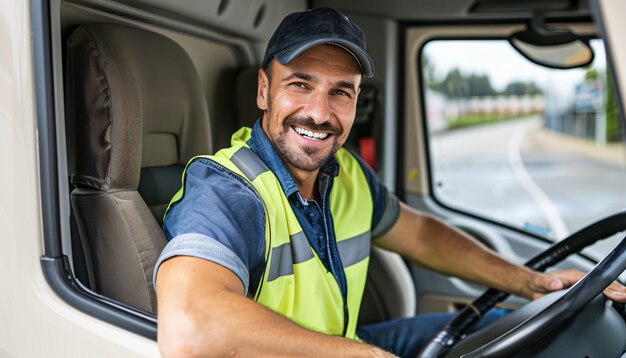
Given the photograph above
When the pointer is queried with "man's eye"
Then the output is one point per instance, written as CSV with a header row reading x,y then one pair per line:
x,y
342,93
299,85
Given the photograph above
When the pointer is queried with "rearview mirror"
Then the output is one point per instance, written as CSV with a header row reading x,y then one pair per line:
x,y
554,48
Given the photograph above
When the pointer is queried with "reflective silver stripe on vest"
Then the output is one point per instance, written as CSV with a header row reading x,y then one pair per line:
x,y
351,251
286,255
355,249
248,162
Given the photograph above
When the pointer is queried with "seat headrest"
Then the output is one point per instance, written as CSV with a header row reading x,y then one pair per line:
x,y
134,100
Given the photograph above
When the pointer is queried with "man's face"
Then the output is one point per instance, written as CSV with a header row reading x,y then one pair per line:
x,y
309,105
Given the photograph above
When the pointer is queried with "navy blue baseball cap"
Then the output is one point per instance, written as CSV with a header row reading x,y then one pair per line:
x,y
301,31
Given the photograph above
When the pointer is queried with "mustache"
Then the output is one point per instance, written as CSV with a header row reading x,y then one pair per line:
x,y
306,122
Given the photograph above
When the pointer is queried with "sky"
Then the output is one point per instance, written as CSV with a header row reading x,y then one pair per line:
x,y
503,64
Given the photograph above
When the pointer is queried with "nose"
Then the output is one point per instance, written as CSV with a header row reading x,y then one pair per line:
x,y
318,108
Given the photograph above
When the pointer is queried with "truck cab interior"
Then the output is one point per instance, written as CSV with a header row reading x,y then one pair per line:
x,y
503,119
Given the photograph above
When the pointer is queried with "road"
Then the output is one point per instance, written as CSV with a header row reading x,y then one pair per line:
x,y
516,173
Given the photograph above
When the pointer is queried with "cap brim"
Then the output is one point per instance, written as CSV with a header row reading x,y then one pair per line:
x,y
366,64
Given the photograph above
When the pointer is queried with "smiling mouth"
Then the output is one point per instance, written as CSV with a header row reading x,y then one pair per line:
x,y
310,134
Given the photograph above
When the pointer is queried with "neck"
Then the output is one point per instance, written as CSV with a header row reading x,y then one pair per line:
x,y
306,181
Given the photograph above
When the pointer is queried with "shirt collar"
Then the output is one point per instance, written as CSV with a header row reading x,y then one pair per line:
x,y
263,148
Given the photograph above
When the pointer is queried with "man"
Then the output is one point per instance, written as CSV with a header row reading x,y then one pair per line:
x,y
286,218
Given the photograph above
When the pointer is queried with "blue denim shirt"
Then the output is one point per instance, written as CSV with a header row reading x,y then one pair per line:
x,y
220,216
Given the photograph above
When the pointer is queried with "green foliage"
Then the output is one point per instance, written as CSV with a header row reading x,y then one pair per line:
x,y
591,74
480,85
455,85
459,85
522,88
613,128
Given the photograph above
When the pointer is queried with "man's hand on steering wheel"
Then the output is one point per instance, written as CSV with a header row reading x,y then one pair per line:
x,y
542,283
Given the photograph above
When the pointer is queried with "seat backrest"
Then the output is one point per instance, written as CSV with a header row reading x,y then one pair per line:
x,y
238,88
245,96
135,115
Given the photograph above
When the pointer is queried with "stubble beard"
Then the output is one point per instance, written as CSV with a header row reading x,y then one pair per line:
x,y
303,157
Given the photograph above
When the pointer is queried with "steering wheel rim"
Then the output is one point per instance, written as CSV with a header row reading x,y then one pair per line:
x,y
456,328
567,306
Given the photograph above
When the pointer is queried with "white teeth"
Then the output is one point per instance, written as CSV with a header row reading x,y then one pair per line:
x,y
310,134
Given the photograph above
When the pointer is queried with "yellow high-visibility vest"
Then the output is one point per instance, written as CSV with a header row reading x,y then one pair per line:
x,y
295,282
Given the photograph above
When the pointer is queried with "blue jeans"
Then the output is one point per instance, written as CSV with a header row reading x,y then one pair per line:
x,y
405,337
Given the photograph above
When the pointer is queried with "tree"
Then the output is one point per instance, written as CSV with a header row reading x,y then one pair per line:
x,y
480,85
591,75
429,73
455,84
613,127
519,88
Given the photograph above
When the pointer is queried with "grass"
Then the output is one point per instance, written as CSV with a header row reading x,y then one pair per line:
x,y
475,119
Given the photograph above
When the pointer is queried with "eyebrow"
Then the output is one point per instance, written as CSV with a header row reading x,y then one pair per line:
x,y
348,85
307,77
300,75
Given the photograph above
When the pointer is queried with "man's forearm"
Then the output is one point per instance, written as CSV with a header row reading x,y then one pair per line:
x,y
453,252
215,320
429,242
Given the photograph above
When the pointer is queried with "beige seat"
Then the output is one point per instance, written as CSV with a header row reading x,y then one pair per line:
x,y
238,104
135,115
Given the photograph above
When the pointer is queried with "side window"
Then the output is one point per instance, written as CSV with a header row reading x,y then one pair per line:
x,y
535,148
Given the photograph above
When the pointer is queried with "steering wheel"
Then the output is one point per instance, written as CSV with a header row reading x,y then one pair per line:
x,y
555,313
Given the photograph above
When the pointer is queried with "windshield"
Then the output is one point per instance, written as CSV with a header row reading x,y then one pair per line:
x,y
534,148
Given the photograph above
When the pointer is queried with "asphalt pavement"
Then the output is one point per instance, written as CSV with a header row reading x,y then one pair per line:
x,y
529,177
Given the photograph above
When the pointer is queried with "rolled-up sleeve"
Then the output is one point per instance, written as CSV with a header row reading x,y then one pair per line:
x,y
386,204
389,207
218,218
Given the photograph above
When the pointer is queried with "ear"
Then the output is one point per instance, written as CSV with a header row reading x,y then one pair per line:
x,y
262,90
